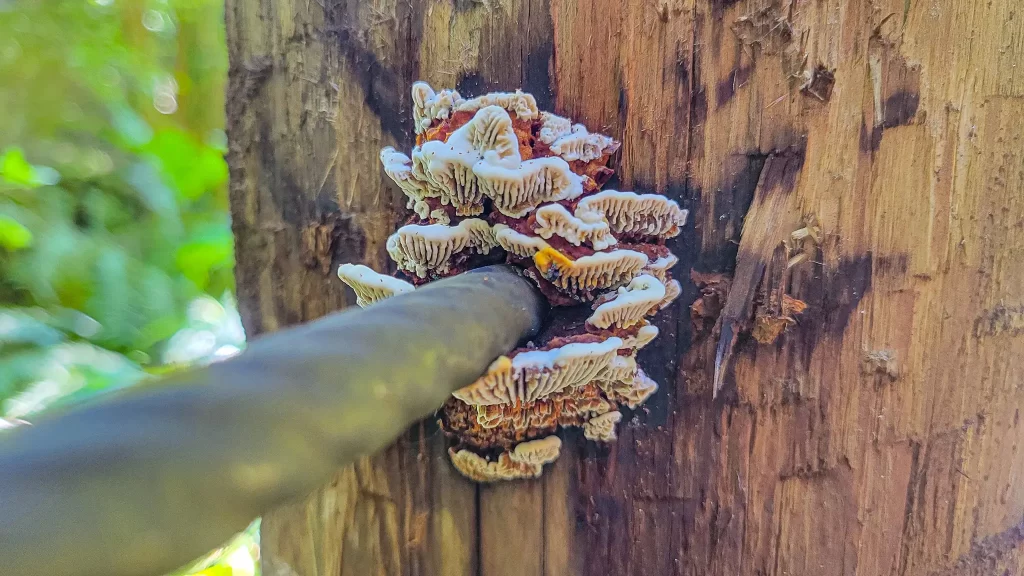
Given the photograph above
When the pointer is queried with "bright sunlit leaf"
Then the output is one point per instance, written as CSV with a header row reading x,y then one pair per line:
x,y
15,169
13,235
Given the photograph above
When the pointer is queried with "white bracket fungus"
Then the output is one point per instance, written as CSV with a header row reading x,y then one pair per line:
x,y
660,267
428,105
602,428
599,271
421,249
629,304
497,159
398,167
574,142
519,190
526,460
643,337
633,391
620,368
523,105
447,167
579,228
637,214
534,374
517,243
672,291
370,286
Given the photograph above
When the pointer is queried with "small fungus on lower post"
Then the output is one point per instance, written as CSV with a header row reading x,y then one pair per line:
x,y
527,460
602,428
493,177
370,286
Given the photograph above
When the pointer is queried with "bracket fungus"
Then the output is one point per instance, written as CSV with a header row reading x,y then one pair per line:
x,y
494,178
629,304
370,286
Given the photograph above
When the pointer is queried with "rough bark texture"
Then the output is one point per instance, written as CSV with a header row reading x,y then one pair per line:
x,y
881,434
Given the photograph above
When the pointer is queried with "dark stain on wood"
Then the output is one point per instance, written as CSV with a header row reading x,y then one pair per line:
x,y
472,84
781,178
732,200
286,186
384,88
989,554
682,69
871,139
718,7
623,105
835,297
898,82
1001,319
737,78
467,5
537,72
900,109
245,81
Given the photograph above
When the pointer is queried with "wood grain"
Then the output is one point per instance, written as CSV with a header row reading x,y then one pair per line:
x,y
879,435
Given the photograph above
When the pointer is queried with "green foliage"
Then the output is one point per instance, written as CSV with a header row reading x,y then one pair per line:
x,y
115,244
113,208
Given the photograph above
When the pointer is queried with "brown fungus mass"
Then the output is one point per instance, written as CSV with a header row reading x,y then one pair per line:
x,y
494,177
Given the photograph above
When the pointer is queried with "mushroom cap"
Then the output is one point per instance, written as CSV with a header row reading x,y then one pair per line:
x,y
446,167
637,214
428,105
672,291
520,103
425,248
517,243
553,127
371,286
399,168
602,428
586,227
542,451
526,460
598,271
633,391
519,190
584,146
643,337
660,267
533,374
620,368
629,304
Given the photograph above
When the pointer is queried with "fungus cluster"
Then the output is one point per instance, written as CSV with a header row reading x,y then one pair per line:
x,y
494,179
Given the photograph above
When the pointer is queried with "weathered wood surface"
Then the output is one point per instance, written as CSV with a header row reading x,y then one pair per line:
x,y
880,435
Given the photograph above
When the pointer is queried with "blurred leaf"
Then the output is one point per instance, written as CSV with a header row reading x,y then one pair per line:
x,y
210,247
191,167
15,169
13,236
20,327
215,570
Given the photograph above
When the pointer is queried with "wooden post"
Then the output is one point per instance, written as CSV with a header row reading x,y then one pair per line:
x,y
880,434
